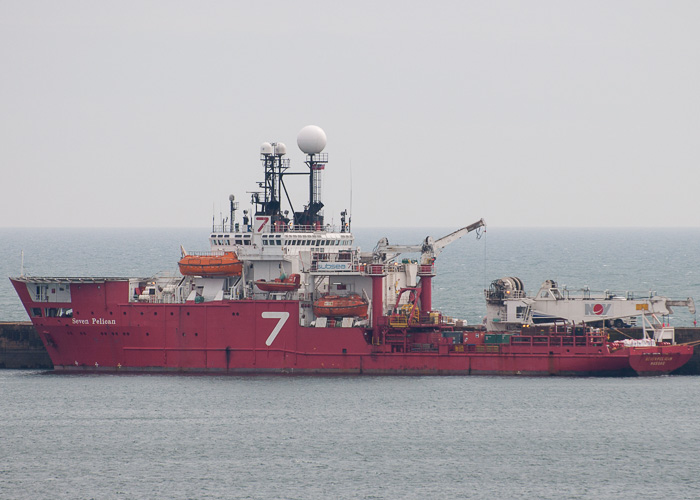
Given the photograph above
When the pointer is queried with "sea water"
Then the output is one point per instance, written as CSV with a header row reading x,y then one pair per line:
x,y
159,436
303,437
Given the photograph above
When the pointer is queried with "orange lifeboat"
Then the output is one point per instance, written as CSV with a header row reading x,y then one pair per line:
x,y
288,284
335,306
213,264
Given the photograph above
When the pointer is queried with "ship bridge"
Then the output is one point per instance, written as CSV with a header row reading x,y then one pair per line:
x,y
287,240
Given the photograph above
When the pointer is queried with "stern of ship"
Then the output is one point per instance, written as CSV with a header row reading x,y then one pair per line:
x,y
659,360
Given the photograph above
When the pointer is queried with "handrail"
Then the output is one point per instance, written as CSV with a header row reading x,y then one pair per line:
x,y
209,253
281,228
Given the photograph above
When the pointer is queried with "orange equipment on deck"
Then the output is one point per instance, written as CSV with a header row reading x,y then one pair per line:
x,y
335,306
288,284
217,264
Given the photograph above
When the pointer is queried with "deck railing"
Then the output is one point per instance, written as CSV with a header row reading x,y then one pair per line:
x,y
280,228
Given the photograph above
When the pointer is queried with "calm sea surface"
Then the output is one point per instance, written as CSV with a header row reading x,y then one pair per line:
x,y
67,436
137,436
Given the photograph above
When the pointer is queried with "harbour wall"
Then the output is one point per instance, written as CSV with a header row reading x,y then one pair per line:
x,y
21,347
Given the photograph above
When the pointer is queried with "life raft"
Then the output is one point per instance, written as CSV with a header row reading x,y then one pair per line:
x,y
288,284
213,264
340,306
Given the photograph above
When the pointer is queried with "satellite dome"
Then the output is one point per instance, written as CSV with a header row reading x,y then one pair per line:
x,y
280,148
311,139
266,148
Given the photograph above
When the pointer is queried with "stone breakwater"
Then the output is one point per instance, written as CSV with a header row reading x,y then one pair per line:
x,y
21,347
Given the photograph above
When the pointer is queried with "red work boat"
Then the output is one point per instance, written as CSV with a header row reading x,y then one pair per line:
x,y
214,317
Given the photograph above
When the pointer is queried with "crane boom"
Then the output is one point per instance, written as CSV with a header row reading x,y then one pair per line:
x,y
689,303
428,249
508,305
454,236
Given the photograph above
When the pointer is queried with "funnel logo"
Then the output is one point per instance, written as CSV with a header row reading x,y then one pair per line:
x,y
597,309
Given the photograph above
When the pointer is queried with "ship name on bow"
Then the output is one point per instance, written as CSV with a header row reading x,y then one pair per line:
x,y
94,321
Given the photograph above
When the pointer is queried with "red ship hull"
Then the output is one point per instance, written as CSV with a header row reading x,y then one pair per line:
x,y
106,333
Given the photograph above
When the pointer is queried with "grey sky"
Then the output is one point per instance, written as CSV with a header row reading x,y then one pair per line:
x,y
540,113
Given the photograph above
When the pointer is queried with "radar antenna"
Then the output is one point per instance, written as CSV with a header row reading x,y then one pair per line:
x,y
312,140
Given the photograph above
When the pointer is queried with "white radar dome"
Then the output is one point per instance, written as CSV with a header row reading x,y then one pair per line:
x,y
311,139
280,149
266,148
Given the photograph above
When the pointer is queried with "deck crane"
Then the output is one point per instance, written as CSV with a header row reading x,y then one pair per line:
x,y
508,307
429,248
419,294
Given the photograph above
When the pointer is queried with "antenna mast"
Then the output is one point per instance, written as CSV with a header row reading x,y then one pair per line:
x,y
312,140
